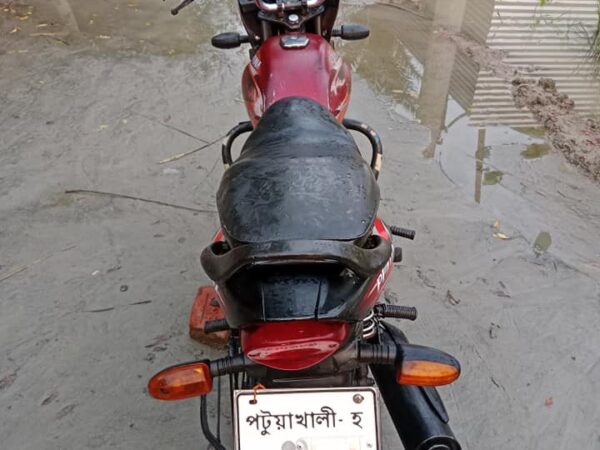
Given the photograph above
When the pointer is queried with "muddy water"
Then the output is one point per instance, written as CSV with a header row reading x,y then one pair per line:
x,y
494,151
409,60
138,25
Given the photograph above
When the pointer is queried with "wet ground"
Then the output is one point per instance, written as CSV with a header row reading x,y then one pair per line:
x,y
95,291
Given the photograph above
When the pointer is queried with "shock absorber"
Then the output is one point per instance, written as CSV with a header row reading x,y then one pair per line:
x,y
370,326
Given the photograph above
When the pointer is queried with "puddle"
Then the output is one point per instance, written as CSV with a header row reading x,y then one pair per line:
x,y
492,177
542,242
535,151
469,110
494,151
142,26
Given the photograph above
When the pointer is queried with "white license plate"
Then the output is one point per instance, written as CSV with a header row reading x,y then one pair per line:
x,y
307,419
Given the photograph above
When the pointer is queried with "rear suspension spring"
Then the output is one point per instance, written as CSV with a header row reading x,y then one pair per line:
x,y
370,326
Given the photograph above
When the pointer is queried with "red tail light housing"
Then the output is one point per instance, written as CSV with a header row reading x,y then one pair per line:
x,y
293,345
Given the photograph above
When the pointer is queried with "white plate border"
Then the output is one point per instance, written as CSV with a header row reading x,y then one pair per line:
x,y
238,392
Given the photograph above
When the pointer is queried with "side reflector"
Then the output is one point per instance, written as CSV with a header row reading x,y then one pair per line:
x,y
181,382
426,373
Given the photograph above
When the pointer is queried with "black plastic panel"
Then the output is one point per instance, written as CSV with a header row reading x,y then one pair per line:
x,y
270,293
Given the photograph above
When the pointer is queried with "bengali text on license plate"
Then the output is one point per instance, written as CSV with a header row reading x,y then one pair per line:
x,y
315,419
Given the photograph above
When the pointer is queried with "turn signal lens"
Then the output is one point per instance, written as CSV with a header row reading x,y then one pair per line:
x,y
426,373
181,382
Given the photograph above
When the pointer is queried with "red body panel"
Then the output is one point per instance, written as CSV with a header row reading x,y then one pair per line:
x,y
315,71
377,286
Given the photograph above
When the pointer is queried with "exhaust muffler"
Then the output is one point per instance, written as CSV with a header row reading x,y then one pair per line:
x,y
418,413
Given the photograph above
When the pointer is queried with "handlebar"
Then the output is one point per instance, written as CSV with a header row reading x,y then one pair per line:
x,y
283,5
278,6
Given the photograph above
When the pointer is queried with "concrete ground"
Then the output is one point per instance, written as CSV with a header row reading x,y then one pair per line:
x,y
95,291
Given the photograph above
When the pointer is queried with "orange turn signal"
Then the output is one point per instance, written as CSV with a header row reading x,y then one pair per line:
x,y
181,382
426,373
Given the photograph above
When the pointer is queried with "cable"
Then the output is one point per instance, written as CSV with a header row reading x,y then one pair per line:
x,y
212,440
219,410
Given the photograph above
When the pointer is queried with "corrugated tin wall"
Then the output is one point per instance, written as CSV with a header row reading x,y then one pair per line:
x,y
476,24
554,39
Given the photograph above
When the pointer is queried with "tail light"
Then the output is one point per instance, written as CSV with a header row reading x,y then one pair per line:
x,y
293,345
181,382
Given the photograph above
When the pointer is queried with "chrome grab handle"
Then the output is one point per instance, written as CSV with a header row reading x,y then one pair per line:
x,y
284,5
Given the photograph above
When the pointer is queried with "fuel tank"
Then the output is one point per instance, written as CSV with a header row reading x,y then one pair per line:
x,y
296,65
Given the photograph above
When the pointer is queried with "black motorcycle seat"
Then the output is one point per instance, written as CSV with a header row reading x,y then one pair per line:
x,y
300,176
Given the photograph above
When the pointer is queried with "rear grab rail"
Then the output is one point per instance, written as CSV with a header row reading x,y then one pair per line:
x,y
350,124
221,262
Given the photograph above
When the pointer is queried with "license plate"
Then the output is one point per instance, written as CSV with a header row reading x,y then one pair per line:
x,y
307,419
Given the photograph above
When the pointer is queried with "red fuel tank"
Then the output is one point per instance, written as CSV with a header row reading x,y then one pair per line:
x,y
296,64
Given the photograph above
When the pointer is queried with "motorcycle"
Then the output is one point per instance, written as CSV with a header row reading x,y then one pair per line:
x,y
302,259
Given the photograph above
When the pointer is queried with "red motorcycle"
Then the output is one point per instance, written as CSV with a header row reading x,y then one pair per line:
x,y
302,259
